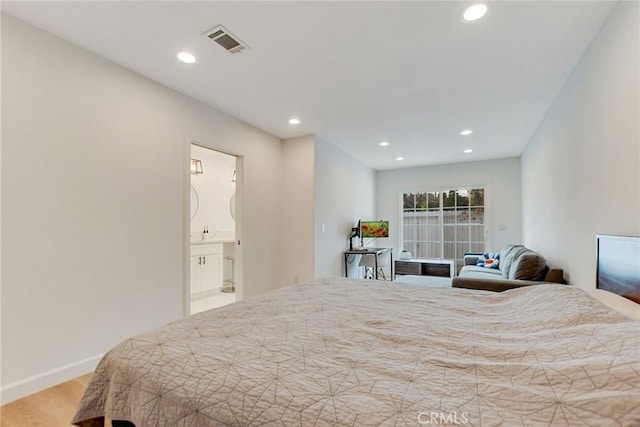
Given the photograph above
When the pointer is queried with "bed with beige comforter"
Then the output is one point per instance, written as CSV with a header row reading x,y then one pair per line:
x,y
345,352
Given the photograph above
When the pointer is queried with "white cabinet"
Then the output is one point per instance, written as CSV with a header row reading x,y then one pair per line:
x,y
206,268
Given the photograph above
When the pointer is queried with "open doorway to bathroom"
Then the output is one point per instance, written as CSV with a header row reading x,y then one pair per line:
x,y
213,225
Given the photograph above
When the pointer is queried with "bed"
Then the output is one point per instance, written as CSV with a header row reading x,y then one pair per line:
x,y
348,352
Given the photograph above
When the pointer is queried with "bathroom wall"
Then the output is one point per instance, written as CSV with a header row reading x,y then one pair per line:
x,y
214,189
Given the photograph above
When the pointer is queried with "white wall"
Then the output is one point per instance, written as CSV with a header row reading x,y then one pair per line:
x,y
580,172
502,198
297,209
95,190
344,193
214,189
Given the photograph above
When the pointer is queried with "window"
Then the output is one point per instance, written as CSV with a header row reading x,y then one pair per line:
x,y
444,224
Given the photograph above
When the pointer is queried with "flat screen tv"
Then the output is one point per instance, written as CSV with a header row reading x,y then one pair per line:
x,y
369,229
618,265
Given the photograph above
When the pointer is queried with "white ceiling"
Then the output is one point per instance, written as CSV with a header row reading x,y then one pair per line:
x,y
355,73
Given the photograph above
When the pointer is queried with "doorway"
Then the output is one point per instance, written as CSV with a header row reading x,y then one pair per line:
x,y
213,227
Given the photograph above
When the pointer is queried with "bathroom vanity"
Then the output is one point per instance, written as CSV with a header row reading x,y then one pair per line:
x,y
211,266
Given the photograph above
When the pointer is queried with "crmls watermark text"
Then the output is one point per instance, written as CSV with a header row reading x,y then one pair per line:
x,y
436,418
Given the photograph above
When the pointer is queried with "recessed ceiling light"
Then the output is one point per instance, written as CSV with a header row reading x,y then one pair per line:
x,y
186,57
466,132
384,144
294,121
468,150
474,12
399,158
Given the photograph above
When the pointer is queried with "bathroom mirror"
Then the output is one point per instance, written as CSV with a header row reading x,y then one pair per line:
x,y
195,202
232,206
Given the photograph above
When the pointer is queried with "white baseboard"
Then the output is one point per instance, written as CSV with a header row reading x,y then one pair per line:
x,y
22,388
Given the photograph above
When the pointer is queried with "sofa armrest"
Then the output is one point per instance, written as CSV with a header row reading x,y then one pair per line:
x,y
494,285
555,275
471,259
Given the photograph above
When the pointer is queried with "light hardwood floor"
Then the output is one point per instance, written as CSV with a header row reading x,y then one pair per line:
x,y
53,407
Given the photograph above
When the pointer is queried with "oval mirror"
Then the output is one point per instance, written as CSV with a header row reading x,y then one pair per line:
x,y
195,202
232,206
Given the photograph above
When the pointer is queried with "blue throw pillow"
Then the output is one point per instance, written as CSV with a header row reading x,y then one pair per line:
x,y
489,260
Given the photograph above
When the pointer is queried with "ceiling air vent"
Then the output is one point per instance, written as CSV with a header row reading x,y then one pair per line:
x,y
224,38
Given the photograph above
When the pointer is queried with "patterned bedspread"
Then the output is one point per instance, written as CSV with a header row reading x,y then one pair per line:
x,y
345,352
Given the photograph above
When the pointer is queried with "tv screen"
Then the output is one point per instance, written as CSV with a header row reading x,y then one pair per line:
x,y
618,265
370,229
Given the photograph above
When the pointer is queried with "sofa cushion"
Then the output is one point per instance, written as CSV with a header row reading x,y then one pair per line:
x,y
488,272
528,265
474,272
507,255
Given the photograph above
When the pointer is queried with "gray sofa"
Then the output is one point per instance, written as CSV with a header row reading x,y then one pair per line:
x,y
518,266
